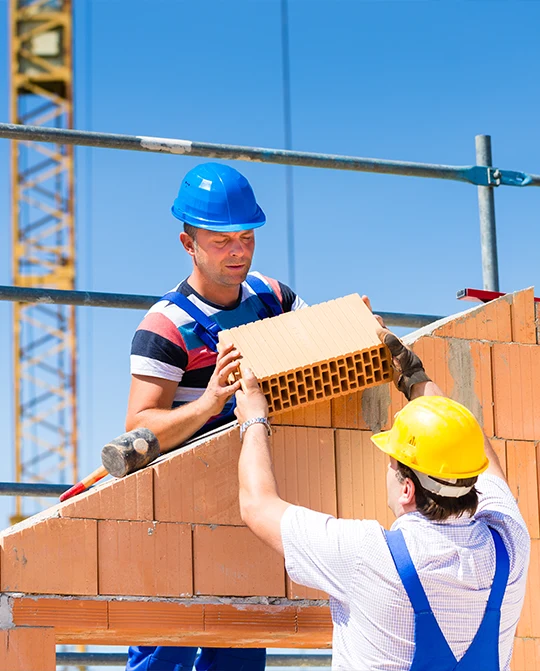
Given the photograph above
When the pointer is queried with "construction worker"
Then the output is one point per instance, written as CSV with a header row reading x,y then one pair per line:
x,y
179,383
441,591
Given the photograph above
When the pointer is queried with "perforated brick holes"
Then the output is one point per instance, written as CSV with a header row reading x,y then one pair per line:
x,y
327,379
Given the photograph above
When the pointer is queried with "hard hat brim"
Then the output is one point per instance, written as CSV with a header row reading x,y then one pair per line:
x,y
381,441
256,222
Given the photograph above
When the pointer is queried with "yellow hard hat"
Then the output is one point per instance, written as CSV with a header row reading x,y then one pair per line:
x,y
436,436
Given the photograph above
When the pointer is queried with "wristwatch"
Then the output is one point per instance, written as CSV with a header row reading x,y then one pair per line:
x,y
255,420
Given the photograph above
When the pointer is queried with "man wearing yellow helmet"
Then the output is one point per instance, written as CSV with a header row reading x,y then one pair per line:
x,y
443,589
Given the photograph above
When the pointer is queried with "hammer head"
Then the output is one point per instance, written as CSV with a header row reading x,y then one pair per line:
x,y
130,452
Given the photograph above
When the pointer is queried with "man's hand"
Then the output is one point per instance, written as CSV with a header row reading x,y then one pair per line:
x,y
219,390
250,401
407,365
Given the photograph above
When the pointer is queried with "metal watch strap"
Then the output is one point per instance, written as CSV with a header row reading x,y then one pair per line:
x,y
255,420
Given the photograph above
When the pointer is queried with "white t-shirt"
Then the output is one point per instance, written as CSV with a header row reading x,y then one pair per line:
x,y
455,560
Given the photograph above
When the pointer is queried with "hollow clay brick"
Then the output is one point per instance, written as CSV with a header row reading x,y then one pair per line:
x,y
155,617
165,622
231,561
397,402
200,484
129,498
301,592
516,391
145,558
314,618
499,447
523,481
462,370
529,623
314,354
526,655
27,649
73,615
52,556
318,415
361,478
523,316
491,321
232,618
305,468
364,410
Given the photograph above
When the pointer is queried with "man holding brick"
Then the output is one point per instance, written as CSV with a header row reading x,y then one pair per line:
x,y
180,385
443,590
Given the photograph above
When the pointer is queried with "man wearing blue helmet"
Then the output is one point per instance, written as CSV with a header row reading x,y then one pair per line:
x,y
179,383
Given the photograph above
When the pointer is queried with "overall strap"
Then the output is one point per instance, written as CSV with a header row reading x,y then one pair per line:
x,y
266,296
205,327
483,653
407,572
502,572
431,649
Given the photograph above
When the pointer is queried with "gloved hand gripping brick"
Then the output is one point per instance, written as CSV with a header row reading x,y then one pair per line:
x,y
408,365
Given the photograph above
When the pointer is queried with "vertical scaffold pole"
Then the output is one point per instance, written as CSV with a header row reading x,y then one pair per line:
x,y
287,122
486,209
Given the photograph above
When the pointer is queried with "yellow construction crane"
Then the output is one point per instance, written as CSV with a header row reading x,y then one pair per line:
x,y
43,245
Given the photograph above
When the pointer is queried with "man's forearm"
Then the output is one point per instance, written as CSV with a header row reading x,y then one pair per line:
x,y
172,427
255,474
261,507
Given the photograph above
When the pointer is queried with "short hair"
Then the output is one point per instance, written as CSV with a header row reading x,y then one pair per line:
x,y
438,508
190,230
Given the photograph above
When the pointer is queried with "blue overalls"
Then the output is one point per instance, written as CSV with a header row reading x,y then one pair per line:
x,y
173,658
431,651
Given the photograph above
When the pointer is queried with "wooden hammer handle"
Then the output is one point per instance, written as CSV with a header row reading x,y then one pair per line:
x,y
86,482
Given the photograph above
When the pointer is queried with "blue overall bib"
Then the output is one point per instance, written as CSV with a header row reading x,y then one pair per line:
x,y
431,651
173,658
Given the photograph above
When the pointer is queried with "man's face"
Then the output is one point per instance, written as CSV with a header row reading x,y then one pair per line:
x,y
223,258
394,487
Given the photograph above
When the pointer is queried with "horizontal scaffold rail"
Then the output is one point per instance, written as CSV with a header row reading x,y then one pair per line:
x,y
474,174
312,660
137,302
39,489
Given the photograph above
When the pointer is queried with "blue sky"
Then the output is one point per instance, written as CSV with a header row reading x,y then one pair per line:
x,y
398,80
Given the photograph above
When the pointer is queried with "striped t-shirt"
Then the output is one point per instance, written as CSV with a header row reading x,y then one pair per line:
x,y
166,346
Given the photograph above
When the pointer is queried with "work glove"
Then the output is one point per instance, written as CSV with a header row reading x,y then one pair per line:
x,y
407,365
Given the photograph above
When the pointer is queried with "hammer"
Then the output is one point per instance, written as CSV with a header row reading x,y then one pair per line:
x,y
130,452
123,455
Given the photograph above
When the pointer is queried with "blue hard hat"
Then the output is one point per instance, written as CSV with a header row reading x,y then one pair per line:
x,y
218,198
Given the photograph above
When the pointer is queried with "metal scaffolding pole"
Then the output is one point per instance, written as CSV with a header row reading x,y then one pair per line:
x,y
486,208
472,174
141,302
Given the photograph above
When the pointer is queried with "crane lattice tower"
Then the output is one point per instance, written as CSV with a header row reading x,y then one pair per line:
x,y
43,245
